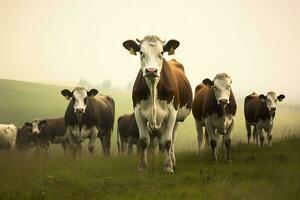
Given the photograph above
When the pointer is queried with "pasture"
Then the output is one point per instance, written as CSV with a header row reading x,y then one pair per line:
x,y
256,173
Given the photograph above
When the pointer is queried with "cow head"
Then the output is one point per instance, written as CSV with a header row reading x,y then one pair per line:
x,y
36,126
79,97
221,86
151,50
271,100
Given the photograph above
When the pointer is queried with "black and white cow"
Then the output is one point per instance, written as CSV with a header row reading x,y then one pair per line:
x,y
162,95
88,116
48,131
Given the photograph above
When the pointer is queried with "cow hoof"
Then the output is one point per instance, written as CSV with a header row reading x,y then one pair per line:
x,y
168,169
141,169
174,168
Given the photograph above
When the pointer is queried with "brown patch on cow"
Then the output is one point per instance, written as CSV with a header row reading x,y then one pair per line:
x,y
255,109
127,127
173,84
52,128
205,103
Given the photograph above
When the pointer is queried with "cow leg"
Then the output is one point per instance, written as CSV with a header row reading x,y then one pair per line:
x,y
206,137
255,135
248,128
213,139
261,136
269,135
92,139
227,142
130,145
64,145
173,147
199,128
74,145
167,137
144,139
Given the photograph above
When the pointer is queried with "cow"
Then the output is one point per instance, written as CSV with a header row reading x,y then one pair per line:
x,y
25,139
48,131
162,96
214,108
259,111
88,115
127,133
8,134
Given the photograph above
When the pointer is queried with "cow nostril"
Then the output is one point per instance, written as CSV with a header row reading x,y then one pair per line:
x,y
273,108
151,70
79,110
223,101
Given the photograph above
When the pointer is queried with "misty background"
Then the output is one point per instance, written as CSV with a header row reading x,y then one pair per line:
x,y
67,42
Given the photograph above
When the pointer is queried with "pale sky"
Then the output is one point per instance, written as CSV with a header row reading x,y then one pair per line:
x,y
257,42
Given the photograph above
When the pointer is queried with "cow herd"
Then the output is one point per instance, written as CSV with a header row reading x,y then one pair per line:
x,y
162,97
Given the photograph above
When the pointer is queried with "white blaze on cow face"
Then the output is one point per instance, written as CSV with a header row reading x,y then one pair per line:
x,y
222,88
151,55
80,99
35,126
271,100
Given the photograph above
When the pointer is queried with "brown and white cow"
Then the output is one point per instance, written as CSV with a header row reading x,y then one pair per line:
x,y
48,131
88,116
162,95
259,111
214,108
128,133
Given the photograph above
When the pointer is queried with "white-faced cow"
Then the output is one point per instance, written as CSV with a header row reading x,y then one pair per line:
x,y
8,134
161,95
259,111
48,131
214,108
88,116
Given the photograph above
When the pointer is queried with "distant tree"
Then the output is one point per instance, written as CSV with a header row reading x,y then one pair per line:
x,y
84,83
106,85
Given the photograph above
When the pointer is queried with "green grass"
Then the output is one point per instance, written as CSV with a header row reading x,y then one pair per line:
x,y
256,173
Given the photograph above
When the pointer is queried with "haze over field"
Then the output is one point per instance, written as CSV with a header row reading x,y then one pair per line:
x,y
256,42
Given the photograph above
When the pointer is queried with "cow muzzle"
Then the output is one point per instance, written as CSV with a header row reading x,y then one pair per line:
x,y
223,102
151,72
79,110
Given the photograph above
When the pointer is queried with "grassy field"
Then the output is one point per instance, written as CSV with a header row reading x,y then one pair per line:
x,y
256,173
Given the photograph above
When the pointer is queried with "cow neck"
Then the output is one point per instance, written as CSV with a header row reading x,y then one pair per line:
x,y
152,85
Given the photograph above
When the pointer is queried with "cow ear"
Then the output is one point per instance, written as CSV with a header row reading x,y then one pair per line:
x,y
170,46
281,97
262,97
208,82
67,93
28,124
131,46
92,92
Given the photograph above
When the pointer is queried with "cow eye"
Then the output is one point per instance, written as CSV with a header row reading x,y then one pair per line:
x,y
85,100
162,53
